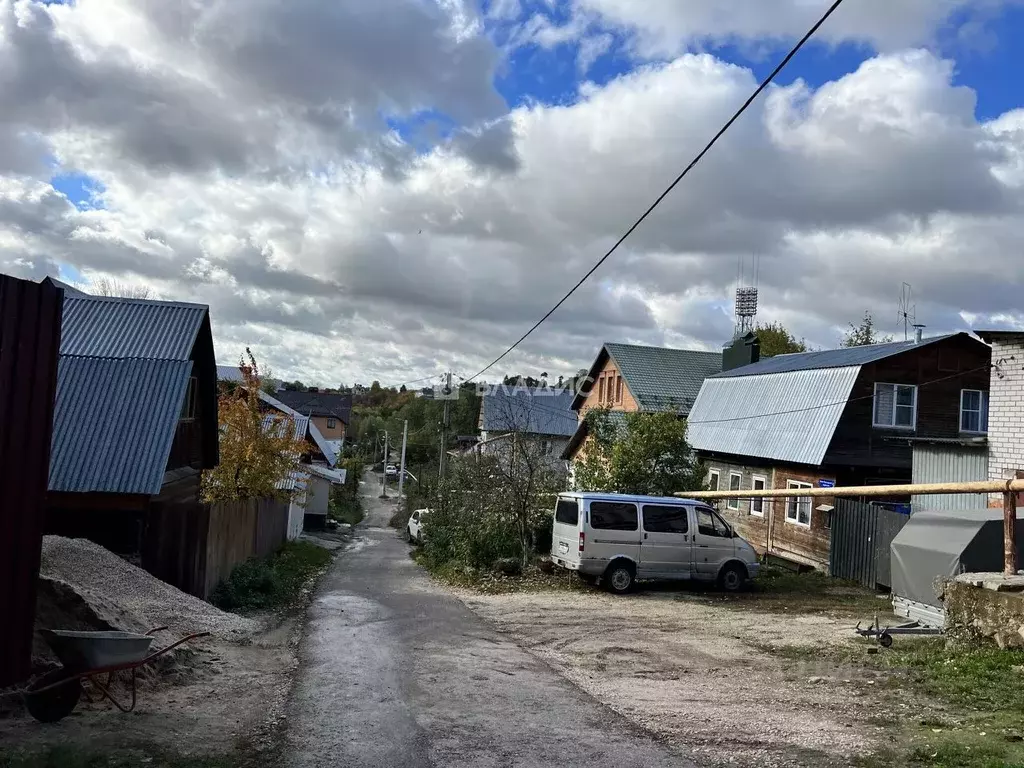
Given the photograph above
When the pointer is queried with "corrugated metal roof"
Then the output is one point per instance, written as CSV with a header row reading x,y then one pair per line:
x,y
535,411
114,423
334,475
663,379
324,445
784,416
229,373
831,358
96,326
311,429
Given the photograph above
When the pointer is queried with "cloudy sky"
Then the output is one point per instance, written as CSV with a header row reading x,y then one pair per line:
x,y
387,190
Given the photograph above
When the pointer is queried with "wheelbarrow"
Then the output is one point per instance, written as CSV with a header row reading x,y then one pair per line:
x,y
87,656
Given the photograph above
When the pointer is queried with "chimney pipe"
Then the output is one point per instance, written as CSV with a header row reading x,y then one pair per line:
x,y
918,333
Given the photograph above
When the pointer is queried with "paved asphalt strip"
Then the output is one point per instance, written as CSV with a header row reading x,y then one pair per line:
x,y
396,673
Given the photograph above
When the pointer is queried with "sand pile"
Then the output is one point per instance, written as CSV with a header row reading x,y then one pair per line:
x,y
84,586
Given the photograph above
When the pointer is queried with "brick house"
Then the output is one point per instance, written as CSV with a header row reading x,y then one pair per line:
x,y
1005,409
835,417
630,378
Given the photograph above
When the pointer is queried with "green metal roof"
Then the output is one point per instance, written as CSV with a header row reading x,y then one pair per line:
x,y
662,379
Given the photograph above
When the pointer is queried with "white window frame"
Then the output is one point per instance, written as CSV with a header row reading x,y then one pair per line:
x,y
895,397
718,480
332,422
758,503
793,504
735,503
983,405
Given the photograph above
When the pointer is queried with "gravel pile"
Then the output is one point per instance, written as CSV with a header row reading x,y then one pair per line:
x,y
129,598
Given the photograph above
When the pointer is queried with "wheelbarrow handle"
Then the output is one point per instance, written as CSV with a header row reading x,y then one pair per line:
x,y
156,629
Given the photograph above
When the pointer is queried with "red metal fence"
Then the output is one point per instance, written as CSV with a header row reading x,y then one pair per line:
x,y
30,316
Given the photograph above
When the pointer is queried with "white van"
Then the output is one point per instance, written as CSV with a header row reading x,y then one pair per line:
x,y
618,539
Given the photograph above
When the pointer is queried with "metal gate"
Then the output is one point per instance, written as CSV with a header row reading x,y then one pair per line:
x,y
859,547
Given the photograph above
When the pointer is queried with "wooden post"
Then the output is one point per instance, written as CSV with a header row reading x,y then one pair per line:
x,y
1009,533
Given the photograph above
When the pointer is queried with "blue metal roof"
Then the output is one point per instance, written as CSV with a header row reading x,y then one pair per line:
x,y
95,326
114,423
122,377
830,358
540,411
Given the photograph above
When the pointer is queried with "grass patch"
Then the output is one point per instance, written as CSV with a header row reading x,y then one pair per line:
x,y
346,510
77,757
494,583
261,584
980,692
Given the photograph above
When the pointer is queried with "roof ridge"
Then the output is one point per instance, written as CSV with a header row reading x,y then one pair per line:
x,y
85,297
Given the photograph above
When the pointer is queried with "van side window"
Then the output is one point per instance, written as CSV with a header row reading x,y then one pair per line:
x,y
567,511
613,516
710,524
416,515
665,519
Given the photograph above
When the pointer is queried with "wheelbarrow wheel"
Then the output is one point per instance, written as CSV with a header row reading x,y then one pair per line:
x,y
58,702
885,640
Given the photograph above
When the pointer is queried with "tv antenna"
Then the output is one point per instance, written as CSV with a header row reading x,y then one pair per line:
x,y
907,313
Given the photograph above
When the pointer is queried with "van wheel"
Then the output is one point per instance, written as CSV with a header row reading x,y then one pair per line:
x,y
732,577
620,578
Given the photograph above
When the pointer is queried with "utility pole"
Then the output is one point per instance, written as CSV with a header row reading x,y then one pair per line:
x,y
444,423
401,471
384,469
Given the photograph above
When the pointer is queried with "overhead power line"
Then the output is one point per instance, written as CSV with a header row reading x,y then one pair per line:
x,y
700,156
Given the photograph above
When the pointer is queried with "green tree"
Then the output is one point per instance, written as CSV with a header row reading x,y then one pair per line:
x,y
648,455
775,339
864,334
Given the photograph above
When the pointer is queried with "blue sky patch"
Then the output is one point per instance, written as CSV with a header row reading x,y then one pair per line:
x,y
82,190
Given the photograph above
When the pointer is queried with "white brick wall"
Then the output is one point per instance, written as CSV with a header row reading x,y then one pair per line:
x,y
1006,409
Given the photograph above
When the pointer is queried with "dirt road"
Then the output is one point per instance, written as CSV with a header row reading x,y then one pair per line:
x,y
398,673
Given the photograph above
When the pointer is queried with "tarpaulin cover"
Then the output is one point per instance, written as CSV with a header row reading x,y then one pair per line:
x,y
946,543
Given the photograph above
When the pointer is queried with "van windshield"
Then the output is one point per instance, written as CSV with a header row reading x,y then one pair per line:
x,y
567,511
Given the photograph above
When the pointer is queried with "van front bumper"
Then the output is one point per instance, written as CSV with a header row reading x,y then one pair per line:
x,y
753,569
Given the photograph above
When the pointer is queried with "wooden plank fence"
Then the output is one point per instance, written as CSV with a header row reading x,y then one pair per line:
x,y
196,546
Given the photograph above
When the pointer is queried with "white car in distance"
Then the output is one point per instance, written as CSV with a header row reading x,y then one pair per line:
x,y
390,471
414,529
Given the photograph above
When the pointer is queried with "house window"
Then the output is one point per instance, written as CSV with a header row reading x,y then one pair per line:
x,y
332,423
895,406
798,509
600,390
188,408
618,389
713,480
547,447
757,504
734,485
973,411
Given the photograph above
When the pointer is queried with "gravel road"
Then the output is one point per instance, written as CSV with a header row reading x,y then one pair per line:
x,y
397,673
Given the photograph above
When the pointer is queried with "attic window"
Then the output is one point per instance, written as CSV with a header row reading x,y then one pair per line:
x,y
618,391
188,408
895,406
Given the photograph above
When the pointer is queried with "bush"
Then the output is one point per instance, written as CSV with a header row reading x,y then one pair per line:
x,y
345,505
272,582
